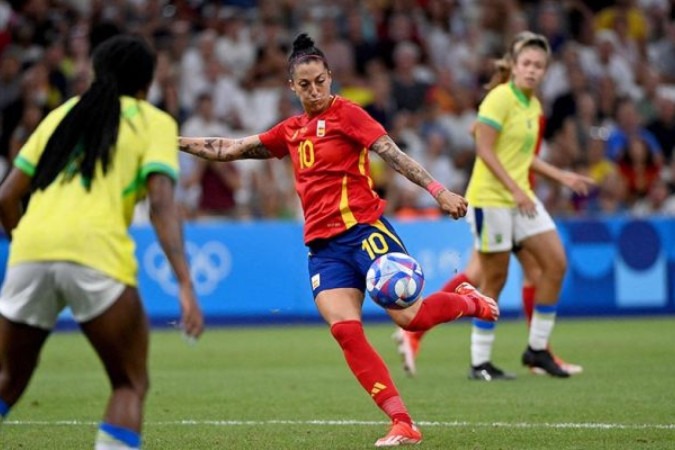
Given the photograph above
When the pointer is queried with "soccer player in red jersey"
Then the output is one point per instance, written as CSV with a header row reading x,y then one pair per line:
x,y
344,228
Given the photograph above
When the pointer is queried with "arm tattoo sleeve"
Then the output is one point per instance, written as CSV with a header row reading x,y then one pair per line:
x,y
400,162
254,151
220,149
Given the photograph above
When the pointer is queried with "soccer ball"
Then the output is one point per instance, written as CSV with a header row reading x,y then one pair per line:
x,y
395,281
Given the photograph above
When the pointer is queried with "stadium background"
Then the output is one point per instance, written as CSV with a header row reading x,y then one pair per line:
x,y
416,66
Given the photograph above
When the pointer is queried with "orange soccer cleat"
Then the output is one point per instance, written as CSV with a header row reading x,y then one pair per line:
x,y
400,433
486,308
407,345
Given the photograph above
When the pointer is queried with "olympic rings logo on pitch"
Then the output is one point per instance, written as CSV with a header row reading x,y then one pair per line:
x,y
209,265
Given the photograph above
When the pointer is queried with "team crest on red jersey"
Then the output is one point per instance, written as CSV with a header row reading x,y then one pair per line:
x,y
321,128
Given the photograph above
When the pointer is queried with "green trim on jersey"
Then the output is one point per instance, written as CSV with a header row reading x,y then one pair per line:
x,y
131,111
520,95
135,185
159,167
490,123
24,165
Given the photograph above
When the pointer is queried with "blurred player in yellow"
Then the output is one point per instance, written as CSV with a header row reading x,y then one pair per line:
x,y
505,215
86,166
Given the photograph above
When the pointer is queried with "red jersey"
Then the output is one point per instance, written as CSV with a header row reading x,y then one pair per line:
x,y
331,166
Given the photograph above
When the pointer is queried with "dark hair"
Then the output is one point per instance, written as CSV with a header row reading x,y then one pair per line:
x,y
123,65
303,51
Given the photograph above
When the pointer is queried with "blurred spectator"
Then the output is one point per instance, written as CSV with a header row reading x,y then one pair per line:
x,y
7,17
606,61
382,107
608,99
395,27
659,201
663,125
639,169
31,117
627,46
75,63
549,24
10,79
363,49
463,57
612,197
558,81
629,127
651,90
193,68
337,50
234,46
54,60
609,191
410,81
662,55
458,125
164,88
600,168
561,88
436,34
636,21
578,129
217,182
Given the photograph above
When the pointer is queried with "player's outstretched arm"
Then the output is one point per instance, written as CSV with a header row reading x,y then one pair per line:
x,y
166,221
451,203
578,183
224,149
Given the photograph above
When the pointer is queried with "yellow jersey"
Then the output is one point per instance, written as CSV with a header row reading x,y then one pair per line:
x,y
65,222
517,119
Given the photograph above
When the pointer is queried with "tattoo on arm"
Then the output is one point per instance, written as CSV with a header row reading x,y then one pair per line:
x,y
213,145
220,149
255,150
197,148
400,162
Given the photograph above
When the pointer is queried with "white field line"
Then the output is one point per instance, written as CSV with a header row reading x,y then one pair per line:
x,y
456,424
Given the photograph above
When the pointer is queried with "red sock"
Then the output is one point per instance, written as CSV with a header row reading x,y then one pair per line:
x,y
528,303
441,307
369,369
451,285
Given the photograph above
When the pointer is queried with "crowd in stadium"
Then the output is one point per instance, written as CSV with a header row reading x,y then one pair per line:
x,y
417,66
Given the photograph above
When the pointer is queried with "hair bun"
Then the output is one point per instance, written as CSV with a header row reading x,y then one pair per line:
x,y
302,42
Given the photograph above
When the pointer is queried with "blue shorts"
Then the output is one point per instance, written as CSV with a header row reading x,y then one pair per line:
x,y
342,261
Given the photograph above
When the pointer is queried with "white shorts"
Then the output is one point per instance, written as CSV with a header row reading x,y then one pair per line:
x,y
36,293
499,229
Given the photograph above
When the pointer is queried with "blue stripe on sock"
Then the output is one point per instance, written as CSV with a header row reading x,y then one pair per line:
x,y
483,324
130,438
546,309
4,409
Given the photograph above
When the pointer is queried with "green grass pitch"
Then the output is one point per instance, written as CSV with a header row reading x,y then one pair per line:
x,y
289,388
